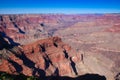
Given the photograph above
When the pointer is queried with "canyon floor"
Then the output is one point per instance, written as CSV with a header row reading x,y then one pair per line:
x,y
85,43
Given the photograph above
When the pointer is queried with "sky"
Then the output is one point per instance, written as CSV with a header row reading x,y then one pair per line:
x,y
59,6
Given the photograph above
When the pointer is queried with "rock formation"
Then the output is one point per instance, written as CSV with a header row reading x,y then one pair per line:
x,y
47,57
27,28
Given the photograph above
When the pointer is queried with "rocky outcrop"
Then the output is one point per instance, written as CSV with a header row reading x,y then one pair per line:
x,y
42,58
117,77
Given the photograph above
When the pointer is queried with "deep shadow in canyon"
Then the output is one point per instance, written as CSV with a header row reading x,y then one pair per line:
x,y
4,43
81,77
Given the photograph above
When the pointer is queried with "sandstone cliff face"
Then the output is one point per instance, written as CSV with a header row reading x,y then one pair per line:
x,y
20,28
42,58
27,28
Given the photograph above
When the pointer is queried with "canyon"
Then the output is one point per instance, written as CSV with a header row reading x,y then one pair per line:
x,y
60,45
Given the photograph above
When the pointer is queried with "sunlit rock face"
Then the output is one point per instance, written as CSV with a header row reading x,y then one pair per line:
x,y
45,57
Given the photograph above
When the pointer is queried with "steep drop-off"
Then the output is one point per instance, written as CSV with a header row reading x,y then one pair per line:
x,y
47,57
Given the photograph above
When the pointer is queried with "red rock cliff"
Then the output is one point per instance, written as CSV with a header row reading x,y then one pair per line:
x,y
42,58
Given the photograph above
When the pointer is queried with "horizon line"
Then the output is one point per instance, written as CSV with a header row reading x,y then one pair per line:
x,y
57,11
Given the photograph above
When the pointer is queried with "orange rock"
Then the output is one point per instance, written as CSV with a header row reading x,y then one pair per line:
x,y
64,68
67,47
